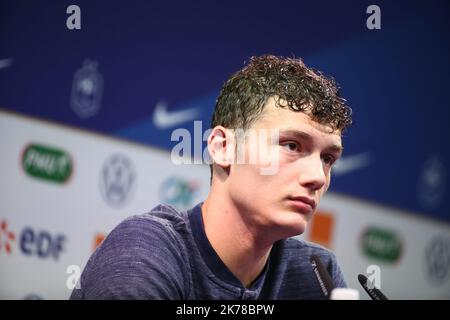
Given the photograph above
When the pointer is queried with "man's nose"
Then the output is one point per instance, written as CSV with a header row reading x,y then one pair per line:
x,y
312,175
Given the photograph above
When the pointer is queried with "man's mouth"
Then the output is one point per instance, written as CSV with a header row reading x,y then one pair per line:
x,y
303,204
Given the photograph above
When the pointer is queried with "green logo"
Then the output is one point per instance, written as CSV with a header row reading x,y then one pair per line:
x,y
381,244
47,163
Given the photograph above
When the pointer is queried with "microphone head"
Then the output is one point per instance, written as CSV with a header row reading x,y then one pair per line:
x,y
371,290
325,281
362,279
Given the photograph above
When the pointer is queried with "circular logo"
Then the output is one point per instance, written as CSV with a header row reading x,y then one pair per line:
x,y
32,296
437,259
178,192
87,89
432,184
117,179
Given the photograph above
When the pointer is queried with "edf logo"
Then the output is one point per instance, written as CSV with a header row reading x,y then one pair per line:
x,y
42,243
32,242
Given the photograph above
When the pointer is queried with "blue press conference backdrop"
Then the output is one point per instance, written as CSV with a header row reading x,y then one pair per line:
x,y
133,63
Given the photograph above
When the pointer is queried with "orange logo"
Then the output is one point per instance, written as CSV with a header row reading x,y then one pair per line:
x,y
98,239
322,227
6,237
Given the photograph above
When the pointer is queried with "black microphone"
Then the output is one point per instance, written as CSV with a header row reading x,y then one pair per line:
x,y
325,282
373,292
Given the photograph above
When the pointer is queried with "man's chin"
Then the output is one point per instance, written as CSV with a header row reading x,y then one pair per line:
x,y
292,227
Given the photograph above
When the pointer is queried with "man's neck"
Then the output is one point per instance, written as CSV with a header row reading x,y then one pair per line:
x,y
241,249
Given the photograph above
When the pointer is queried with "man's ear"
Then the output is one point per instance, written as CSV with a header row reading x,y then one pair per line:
x,y
221,146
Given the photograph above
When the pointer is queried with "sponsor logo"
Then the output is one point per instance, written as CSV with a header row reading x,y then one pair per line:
x,y
98,239
87,90
7,238
178,192
322,227
351,163
47,163
163,119
117,179
381,244
437,260
33,242
41,243
432,185
5,63
32,296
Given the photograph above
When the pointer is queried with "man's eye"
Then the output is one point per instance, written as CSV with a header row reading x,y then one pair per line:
x,y
328,159
291,146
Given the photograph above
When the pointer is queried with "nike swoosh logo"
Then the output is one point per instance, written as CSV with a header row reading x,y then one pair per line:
x,y
163,119
351,163
5,63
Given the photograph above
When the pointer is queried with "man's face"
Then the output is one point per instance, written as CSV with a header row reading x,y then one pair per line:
x,y
282,203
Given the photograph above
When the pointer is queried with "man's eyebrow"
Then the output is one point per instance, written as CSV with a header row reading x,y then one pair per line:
x,y
298,134
301,135
336,148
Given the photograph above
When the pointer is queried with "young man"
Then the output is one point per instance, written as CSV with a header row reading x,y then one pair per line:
x,y
238,243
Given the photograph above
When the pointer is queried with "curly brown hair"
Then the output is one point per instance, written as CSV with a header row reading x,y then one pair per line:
x,y
244,95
